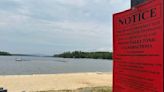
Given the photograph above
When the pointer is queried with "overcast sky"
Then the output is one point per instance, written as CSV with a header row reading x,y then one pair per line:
x,y
55,26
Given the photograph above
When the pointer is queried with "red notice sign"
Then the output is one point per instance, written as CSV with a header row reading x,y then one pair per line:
x,y
138,48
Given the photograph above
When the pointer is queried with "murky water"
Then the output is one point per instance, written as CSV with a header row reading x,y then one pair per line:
x,y
50,65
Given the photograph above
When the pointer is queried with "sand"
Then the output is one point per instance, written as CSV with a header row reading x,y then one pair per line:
x,y
29,83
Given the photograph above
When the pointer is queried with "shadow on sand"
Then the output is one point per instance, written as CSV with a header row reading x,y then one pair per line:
x,y
87,89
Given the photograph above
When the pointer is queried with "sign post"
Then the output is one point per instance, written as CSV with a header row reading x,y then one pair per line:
x,y
139,48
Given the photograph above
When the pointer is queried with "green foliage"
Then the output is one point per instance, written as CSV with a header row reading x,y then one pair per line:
x,y
80,54
2,53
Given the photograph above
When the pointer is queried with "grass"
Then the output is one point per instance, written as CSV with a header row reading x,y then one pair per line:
x,y
87,89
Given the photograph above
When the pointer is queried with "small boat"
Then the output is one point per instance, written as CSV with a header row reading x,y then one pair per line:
x,y
18,59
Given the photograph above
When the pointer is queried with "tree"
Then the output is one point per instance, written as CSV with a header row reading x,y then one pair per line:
x,y
80,54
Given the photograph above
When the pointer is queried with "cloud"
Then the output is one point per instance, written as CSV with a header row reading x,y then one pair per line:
x,y
10,19
45,26
9,5
104,49
77,3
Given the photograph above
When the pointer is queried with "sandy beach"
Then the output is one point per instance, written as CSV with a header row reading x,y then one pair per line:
x,y
32,83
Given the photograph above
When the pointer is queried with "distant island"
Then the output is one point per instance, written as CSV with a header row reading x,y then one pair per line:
x,y
3,53
80,54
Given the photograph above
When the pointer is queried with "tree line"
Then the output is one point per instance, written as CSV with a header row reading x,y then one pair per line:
x,y
2,53
80,54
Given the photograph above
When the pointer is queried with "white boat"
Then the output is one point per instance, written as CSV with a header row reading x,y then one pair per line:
x,y
18,59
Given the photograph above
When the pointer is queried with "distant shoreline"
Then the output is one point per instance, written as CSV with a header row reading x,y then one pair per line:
x,y
3,53
74,54
53,57
89,55
82,58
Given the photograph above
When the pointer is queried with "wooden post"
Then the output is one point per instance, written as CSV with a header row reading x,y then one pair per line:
x,y
136,2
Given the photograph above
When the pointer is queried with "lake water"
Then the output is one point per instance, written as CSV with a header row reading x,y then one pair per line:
x,y
50,65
